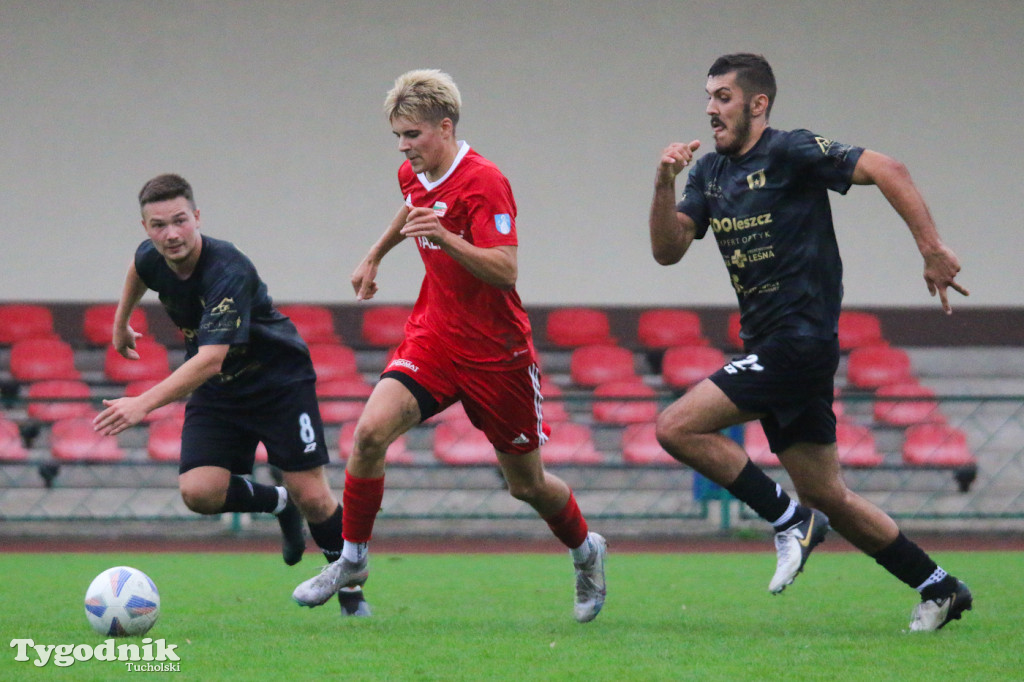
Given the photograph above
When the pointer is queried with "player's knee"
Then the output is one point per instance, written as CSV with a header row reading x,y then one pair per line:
x,y
370,442
671,434
203,500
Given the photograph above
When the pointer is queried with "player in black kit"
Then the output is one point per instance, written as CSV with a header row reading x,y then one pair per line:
x,y
764,194
248,371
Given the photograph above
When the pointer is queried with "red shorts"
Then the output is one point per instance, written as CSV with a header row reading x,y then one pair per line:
x,y
505,403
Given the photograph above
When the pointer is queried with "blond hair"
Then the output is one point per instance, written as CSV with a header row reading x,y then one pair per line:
x,y
424,95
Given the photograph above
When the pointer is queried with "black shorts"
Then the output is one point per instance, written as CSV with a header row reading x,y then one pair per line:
x,y
226,435
790,380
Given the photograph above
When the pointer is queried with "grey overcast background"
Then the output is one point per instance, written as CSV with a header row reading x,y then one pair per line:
x,y
273,111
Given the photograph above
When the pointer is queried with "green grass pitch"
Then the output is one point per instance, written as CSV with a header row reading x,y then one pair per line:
x,y
509,617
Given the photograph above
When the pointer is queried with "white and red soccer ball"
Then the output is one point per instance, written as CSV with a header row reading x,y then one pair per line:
x,y
122,602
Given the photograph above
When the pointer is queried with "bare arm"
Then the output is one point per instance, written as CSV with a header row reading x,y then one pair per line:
x,y
497,266
123,335
671,232
128,411
892,178
364,278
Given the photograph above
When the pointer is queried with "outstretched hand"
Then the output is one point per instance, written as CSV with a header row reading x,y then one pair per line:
x,y
120,414
124,342
940,271
364,280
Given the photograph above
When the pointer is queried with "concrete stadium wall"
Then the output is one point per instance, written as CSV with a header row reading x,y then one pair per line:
x,y
273,111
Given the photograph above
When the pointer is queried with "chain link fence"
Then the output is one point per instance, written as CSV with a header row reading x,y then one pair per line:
x,y
431,496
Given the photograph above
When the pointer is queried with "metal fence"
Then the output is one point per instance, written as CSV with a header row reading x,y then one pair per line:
x,y
428,492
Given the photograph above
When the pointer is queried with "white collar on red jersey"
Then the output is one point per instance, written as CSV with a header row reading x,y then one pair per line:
x,y
428,185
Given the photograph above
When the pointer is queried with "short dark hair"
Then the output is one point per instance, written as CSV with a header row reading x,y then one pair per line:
x,y
165,187
753,74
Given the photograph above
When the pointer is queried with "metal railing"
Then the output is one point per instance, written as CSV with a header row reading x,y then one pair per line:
x,y
40,488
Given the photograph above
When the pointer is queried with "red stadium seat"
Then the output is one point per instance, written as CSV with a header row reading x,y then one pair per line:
x,y
733,331
456,445
870,367
175,409
75,440
353,389
554,408
838,406
756,445
21,321
384,326
333,361
72,400
98,323
911,404
397,452
11,447
640,446
314,322
936,445
856,445
593,365
575,327
153,363
638,407
858,329
685,366
666,327
164,444
41,359
570,443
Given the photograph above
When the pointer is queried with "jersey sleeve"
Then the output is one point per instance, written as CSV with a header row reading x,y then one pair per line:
x,y
146,259
830,162
492,213
227,305
693,202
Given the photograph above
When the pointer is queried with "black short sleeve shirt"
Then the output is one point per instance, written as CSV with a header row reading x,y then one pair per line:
x,y
770,214
224,301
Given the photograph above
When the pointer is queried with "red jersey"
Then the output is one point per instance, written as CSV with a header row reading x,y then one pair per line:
x,y
481,324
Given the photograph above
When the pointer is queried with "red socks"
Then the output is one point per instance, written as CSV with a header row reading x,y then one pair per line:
x,y
360,502
362,497
568,525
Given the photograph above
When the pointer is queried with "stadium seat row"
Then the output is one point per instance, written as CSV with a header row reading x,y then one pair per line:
x,y
56,390
382,326
455,442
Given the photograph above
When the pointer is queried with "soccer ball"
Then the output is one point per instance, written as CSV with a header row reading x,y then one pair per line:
x,y
122,602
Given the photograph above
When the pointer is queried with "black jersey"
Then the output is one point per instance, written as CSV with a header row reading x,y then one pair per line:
x,y
769,210
224,301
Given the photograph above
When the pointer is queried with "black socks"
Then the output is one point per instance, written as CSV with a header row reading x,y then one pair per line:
x,y
766,497
913,566
244,495
327,535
